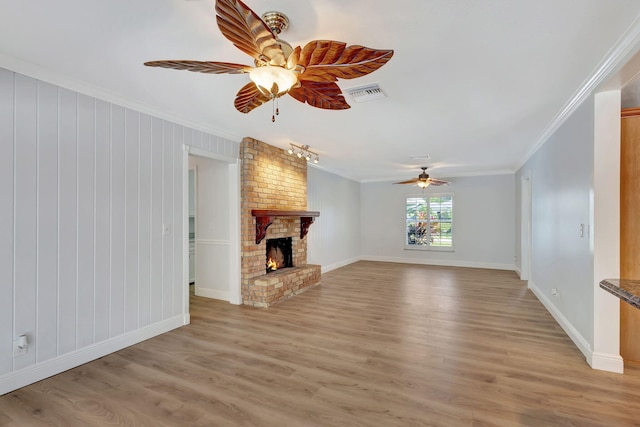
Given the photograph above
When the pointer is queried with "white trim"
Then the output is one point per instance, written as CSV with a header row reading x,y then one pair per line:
x,y
195,151
212,242
615,58
526,198
336,265
604,231
185,229
442,262
85,88
235,280
40,371
606,362
212,293
576,337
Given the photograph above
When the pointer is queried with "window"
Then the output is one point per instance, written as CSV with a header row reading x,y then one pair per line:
x,y
429,220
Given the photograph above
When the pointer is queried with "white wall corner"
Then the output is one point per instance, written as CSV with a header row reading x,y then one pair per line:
x,y
605,217
576,337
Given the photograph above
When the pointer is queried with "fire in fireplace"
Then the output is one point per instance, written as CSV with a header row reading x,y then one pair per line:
x,y
279,254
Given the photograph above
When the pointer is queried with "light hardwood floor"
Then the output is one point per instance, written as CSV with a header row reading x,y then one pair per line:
x,y
377,344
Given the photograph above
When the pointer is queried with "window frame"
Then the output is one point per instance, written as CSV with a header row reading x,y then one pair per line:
x,y
429,247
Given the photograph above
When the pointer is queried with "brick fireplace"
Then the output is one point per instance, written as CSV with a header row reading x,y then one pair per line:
x,y
274,191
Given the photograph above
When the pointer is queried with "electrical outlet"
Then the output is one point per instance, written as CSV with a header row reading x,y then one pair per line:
x,y
166,229
20,346
554,292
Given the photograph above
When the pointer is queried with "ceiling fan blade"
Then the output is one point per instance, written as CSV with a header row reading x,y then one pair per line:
x,y
327,60
326,95
410,181
248,32
434,181
294,57
202,66
249,97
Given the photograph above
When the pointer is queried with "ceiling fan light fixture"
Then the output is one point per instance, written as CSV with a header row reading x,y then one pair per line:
x,y
272,80
423,184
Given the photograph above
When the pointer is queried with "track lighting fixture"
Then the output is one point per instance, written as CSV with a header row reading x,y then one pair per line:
x,y
302,151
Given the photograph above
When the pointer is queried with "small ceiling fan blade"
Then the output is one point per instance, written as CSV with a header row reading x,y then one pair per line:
x,y
327,60
202,66
326,95
434,181
249,98
293,59
409,181
248,32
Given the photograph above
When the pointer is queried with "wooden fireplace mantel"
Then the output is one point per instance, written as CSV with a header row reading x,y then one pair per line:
x,y
264,218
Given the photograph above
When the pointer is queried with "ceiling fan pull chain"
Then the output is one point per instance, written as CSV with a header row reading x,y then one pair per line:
x,y
273,106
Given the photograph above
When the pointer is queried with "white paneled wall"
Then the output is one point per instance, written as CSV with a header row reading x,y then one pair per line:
x,y
334,237
91,237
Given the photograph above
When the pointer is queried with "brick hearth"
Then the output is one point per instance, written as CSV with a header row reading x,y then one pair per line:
x,y
272,179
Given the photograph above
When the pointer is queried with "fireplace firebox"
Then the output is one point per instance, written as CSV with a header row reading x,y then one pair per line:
x,y
279,254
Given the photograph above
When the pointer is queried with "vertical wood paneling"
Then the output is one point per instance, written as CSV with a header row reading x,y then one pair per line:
x,y
6,219
118,206
144,220
102,248
86,242
132,156
67,220
177,221
47,339
155,300
85,188
167,220
25,194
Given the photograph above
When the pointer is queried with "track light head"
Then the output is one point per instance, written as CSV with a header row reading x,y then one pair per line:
x,y
303,151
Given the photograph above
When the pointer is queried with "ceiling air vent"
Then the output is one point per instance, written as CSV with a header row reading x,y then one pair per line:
x,y
366,93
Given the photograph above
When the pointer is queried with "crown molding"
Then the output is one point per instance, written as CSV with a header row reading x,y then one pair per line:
x,y
40,73
616,57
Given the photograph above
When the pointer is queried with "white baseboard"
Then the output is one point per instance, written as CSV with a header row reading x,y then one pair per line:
x,y
606,362
40,371
212,293
600,361
441,262
330,267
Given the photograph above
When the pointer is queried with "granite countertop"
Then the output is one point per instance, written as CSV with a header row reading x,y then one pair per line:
x,y
625,289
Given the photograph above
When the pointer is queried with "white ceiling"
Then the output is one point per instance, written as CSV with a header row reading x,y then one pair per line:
x,y
473,83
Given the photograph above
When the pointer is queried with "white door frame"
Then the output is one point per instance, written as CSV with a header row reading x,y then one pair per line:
x,y
235,296
525,226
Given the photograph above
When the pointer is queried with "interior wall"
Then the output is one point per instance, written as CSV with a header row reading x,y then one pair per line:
x,y
91,232
561,258
484,223
334,238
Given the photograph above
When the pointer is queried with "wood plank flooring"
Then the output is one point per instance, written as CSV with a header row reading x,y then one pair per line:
x,y
377,344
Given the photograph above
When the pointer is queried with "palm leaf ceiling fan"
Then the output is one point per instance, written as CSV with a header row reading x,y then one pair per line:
x,y
423,180
308,74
